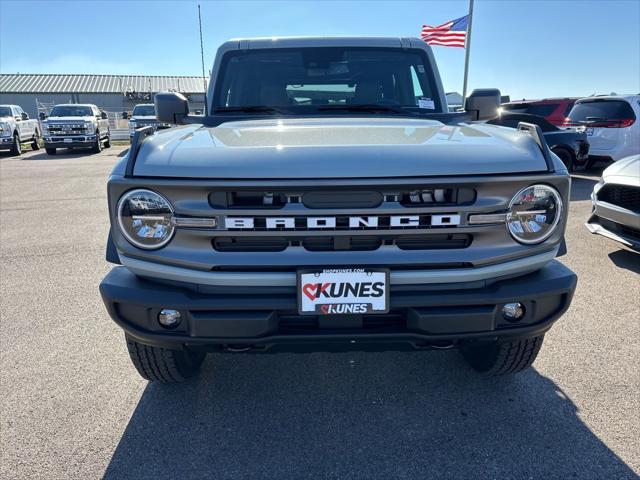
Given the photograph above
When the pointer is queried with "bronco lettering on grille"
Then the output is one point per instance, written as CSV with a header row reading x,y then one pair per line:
x,y
346,222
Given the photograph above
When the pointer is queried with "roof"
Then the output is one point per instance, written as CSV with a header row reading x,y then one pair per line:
x,y
542,100
67,83
302,42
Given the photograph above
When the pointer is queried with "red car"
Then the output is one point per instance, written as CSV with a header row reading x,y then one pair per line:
x,y
555,110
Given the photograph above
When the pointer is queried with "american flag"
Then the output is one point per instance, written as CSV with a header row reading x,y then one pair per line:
x,y
450,34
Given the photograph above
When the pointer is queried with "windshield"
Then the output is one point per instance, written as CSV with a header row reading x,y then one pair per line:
x,y
144,111
71,111
5,112
328,77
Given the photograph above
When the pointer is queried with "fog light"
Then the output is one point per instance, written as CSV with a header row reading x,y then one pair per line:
x,y
513,312
169,318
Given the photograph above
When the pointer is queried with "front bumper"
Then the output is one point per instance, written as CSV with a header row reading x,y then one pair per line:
x,y
6,143
615,222
75,141
260,318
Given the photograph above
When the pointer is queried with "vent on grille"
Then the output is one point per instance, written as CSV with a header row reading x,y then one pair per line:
x,y
342,199
622,196
432,242
248,199
250,244
358,243
438,196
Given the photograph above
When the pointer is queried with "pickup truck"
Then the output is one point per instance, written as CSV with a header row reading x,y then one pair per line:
x,y
144,115
76,126
329,201
16,128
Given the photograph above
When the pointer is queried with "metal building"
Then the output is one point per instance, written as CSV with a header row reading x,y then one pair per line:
x,y
113,93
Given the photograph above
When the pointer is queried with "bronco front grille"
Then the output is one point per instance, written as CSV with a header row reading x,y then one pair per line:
x,y
342,243
621,196
342,199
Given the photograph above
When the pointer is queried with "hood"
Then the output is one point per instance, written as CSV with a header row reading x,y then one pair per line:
x,y
337,148
146,118
69,119
6,118
625,171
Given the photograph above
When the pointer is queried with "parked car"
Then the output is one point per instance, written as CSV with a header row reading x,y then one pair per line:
x,y
323,203
569,144
611,123
16,128
76,126
555,110
616,203
144,115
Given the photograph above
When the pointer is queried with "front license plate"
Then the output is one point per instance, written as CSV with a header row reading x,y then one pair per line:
x,y
68,140
343,291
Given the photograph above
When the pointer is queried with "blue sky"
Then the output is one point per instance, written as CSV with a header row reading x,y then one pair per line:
x,y
526,48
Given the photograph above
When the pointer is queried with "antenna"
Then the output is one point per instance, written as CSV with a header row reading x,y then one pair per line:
x,y
204,80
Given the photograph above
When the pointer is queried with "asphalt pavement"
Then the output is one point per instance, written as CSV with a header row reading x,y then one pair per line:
x,y
72,405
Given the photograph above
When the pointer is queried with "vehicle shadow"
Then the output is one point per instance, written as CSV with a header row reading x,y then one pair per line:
x,y
354,415
626,259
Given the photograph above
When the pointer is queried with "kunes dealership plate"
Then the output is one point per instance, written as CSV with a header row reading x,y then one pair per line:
x,y
340,291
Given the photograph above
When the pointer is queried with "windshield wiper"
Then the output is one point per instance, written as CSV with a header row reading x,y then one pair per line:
x,y
363,108
249,109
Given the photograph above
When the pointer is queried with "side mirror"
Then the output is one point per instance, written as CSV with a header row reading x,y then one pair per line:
x,y
43,115
125,115
25,116
484,102
103,115
171,107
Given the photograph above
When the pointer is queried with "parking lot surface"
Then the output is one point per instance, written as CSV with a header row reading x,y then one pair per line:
x,y
72,405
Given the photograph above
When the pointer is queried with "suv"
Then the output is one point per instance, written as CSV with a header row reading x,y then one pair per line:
x,y
329,201
16,129
144,114
555,110
76,126
612,126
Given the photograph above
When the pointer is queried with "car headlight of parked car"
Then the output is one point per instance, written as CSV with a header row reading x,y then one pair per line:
x,y
91,128
132,125
144,218
5,129
534,214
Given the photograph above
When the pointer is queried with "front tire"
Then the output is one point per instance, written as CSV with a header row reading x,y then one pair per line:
x,y
35,145
16,149
97,147
566,157
50,151
164,365
107,142
502,356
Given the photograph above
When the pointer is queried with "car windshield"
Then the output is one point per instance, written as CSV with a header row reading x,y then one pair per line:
x,y
5,112
144,111
71,111
600,110
330,79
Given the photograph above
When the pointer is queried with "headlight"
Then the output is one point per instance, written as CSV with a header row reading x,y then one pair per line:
x,y
534,214
5,129
132,125
90,127
144,218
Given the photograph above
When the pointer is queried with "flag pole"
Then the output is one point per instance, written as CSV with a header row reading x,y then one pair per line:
x,y
467,49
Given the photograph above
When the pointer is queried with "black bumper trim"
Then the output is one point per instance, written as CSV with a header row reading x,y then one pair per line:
x,y
260,320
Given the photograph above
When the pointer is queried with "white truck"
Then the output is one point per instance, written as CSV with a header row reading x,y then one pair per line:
x,y
76,126
16,128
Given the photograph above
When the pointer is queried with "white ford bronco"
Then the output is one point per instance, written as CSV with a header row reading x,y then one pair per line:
x,y
329,201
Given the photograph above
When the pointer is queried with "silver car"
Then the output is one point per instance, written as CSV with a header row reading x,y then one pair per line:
x,y
616,203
